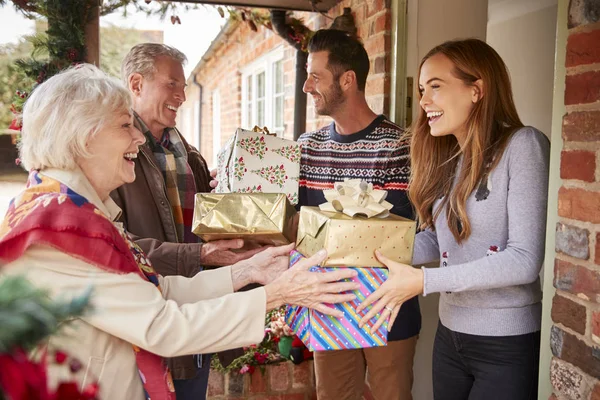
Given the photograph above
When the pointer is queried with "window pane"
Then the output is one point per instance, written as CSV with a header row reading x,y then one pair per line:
x,y
260,86
278,76
249,86
279,112
260,117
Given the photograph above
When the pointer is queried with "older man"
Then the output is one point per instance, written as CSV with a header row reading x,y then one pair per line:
x,y
158,206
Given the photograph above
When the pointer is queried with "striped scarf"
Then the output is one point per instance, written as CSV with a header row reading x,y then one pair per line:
x,y
171,157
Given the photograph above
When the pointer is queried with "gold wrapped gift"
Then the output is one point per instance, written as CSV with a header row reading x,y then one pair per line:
x,y
352,239
263,218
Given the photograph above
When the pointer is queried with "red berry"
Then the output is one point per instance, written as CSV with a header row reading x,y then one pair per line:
x,y
60,357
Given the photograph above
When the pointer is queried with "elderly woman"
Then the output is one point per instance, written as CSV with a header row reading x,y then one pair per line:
x,y
79,142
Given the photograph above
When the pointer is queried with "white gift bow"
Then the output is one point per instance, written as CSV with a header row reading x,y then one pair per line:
x,y
356,197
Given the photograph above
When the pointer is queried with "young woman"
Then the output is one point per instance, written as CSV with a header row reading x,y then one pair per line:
x,y
479,185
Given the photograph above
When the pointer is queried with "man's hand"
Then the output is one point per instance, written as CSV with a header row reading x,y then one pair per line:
x,y
219,252
213,182
295,220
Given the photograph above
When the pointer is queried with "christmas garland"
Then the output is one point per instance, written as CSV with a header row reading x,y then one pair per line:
x,y
27,317
266,352
64,42
297,33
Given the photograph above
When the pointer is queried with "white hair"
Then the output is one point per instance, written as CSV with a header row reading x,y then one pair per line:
x,y
142,57
64,112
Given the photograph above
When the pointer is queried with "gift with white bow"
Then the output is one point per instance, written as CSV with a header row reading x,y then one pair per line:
x,y
355,221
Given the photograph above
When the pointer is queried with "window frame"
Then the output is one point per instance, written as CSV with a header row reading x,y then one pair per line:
x,y
265,64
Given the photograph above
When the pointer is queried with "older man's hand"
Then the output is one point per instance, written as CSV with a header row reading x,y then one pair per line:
x,y
221,252
213,181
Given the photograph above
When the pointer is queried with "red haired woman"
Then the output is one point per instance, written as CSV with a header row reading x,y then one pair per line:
x,y
479,185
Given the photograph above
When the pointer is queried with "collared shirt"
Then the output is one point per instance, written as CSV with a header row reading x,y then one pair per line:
x,y
77,181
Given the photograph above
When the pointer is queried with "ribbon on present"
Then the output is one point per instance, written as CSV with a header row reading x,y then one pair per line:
x,y
355,197
264,130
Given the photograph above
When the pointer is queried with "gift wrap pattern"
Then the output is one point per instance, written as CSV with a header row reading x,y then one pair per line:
x,y
353,241
263,218
252,162
321,332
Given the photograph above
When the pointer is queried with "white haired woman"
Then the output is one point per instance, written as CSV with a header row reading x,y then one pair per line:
x,y
78,142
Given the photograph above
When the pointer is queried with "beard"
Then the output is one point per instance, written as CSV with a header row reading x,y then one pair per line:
x,y
331,100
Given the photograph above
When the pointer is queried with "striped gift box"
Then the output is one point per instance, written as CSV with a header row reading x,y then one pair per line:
x,y
320,332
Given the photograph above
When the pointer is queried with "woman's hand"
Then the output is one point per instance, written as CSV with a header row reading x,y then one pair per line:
x,y
403,283
267,265
298,286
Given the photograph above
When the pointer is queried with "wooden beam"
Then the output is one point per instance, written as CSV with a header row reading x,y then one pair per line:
x,y
92,34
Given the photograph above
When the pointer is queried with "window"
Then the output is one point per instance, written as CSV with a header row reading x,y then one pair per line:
x,y
216,125
263,91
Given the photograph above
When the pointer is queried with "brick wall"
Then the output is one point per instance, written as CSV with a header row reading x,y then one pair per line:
x,y
575,335
243,46
284,381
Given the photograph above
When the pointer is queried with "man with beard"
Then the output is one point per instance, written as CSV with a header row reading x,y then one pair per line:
x,y
157,207
357,144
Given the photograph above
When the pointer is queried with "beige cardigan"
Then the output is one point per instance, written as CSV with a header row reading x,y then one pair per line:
x,y
192,315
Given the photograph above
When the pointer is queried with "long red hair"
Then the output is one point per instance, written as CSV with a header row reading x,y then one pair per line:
x,y
490,124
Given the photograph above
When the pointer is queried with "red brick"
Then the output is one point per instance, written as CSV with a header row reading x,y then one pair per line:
x,y
382,23
596,327
569,313
293,396
375,45
578,353
578,164
258,382
375,86
579,204
582,126
577,280
597,260
279,379
216,383
582,88
301,374
596,393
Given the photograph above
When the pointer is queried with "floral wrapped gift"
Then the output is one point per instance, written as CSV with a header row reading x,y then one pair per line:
x,y
352,225
263,218
256,161
321,332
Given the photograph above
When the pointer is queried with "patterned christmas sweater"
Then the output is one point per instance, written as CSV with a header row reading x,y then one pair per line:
x,y
377,154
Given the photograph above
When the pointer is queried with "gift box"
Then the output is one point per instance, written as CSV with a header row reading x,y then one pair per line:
x,y
352,225
263,218
254,161
320,332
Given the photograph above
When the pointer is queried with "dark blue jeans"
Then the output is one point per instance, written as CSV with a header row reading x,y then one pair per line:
x,y
195,388
472,367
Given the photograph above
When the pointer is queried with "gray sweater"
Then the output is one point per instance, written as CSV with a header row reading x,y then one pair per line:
x,y
490,283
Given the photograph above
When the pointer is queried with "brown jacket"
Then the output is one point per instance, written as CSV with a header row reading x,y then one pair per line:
x,y
147,215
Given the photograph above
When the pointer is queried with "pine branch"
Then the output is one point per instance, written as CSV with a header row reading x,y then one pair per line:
x,y
28,315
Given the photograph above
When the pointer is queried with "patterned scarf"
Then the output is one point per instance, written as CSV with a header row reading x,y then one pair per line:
x,y
50,213
171,156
